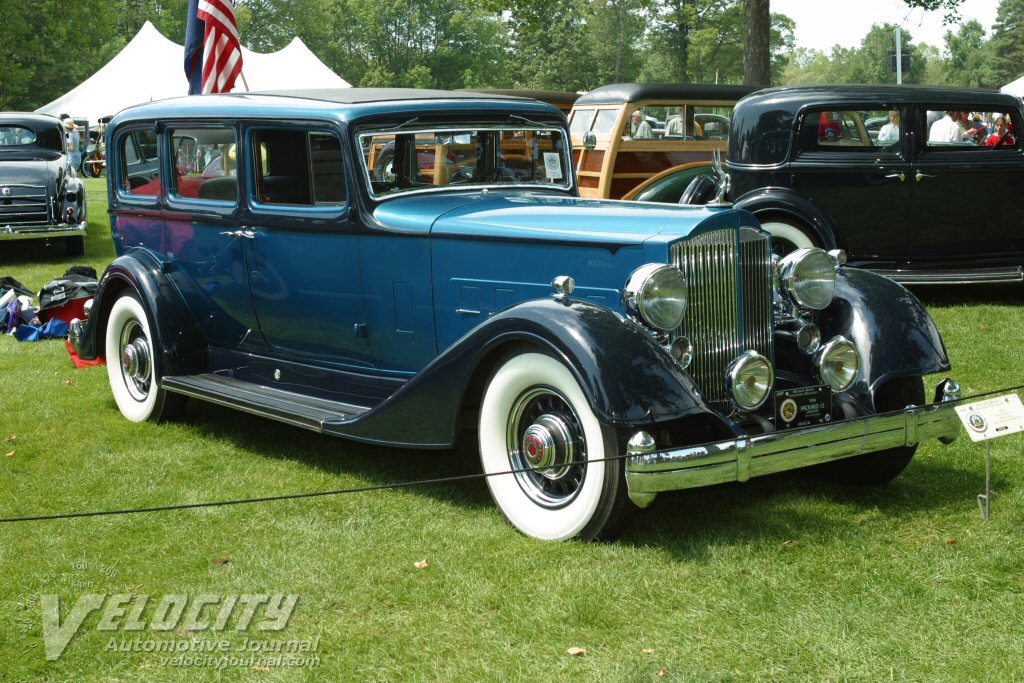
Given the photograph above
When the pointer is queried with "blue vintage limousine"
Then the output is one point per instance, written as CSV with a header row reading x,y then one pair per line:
x,y
393,265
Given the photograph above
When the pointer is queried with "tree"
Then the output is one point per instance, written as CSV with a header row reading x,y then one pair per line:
x,y
1008,41
969,62
756,53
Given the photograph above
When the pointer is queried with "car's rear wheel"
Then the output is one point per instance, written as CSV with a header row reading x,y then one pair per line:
x,y
535,417
882,466
131,369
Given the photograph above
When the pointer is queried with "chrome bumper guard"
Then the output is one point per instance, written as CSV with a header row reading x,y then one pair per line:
x,y
33,232
649,471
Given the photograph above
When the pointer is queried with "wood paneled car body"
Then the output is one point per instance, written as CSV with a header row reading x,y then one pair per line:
x,y
685,125
602,351
923,198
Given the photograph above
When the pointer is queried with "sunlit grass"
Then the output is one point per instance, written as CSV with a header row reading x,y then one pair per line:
x,y
778,579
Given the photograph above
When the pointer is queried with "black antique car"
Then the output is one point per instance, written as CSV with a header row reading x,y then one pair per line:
x,y
928,197
41,197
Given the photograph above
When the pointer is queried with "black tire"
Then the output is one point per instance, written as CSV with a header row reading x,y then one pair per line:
x,y
74,246
881,467
383,169
131,370
534,414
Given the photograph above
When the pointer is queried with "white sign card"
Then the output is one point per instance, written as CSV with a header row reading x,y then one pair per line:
x,y
992,417
553,165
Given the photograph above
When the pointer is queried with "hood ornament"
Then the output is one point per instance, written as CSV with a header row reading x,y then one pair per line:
x,y
721,181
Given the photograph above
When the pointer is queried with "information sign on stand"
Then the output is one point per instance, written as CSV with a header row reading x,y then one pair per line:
x,y
987,420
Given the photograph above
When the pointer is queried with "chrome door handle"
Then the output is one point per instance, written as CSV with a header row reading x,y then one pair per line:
x,y
902,176
922,175
245,232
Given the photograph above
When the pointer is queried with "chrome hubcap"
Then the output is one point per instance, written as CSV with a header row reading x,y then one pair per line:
x,y
136,360
546,439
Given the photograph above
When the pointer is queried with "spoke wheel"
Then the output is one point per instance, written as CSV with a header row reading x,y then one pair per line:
x,y
131,367
535,417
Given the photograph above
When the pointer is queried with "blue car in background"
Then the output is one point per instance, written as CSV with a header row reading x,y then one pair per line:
x,y
603,351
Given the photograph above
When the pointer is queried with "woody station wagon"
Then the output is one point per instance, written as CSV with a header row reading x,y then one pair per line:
x,y
685,126
602,351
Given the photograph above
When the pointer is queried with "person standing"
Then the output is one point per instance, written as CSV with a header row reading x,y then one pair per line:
x,y
74,141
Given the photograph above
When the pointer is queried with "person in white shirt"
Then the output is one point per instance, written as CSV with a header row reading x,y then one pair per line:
x,y
890,132
947,129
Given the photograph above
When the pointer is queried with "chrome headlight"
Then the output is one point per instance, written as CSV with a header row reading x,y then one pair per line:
x,y
838,363
809,277
749,379
656,293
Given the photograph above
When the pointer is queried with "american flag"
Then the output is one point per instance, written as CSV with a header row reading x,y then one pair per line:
x,y
211,41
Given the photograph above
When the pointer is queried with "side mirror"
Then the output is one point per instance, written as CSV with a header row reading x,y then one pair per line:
x,y
589,141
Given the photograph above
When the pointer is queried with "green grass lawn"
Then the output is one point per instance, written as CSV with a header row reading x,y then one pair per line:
x,y
777,579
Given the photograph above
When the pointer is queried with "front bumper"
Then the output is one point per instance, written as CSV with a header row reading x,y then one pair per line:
x,y
650,471
34,232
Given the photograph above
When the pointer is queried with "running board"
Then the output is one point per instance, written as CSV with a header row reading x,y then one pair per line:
x,y
289,407
952,277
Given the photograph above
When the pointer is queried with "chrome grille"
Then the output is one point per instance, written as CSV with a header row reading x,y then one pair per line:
x,y
729,290
25,205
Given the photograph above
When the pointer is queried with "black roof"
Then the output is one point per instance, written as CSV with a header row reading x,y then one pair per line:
x,y
801,95
367,95
29,120
619,93
542,95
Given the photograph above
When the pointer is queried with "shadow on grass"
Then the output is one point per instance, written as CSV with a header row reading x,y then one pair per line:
x,y
771,509
1011,294
375,465
797,506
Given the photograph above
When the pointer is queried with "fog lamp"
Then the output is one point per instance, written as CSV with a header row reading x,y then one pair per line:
x,y
681,351
838,363
749,379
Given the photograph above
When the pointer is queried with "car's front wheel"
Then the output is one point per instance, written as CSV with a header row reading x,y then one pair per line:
x,y
535,420
882,466
133,376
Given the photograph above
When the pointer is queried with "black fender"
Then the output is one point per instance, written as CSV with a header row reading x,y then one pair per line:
x,y
179,347
786,202
890,327
628,378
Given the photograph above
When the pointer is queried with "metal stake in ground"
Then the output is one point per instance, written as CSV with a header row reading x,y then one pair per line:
x,y
987,420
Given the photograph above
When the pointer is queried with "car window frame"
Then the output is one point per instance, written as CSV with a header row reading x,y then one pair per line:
x,y
169,162
864,153
966,153
318,217
118,167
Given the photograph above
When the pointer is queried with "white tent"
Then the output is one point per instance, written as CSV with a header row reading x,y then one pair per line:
x,y
1015,88
151,67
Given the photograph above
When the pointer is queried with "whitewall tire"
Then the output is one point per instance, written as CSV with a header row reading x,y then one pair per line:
x,y
130,364
787,237
534,415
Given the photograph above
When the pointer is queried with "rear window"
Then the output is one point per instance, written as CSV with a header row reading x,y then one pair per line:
x,y
11,136
851,131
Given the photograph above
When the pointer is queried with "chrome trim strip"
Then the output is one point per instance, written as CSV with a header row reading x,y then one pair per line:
x,y
755,456
953,277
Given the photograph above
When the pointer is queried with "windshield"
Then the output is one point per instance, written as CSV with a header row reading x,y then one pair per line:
x,y
398,162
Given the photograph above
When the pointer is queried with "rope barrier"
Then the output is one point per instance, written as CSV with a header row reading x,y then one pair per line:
x,y
365,489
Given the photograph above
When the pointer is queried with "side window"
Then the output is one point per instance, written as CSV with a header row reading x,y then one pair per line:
x,y
850,131
604,124
579,122
139,172
204,164
957,130
297,168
